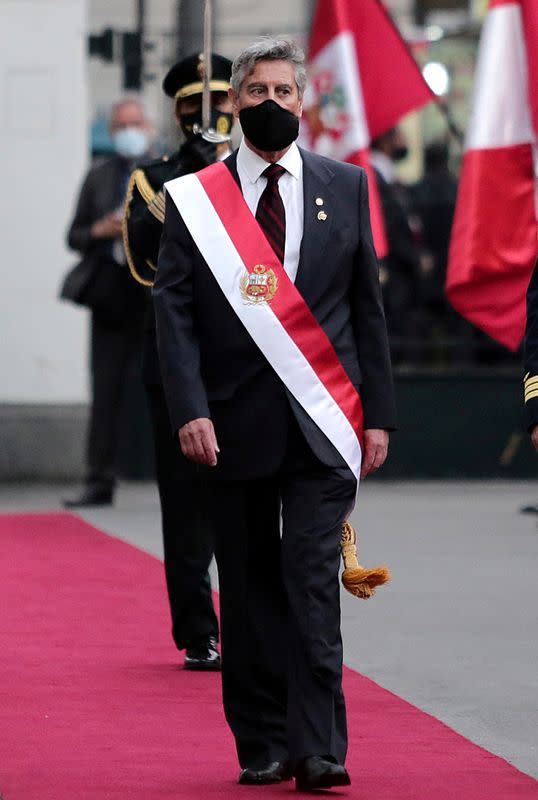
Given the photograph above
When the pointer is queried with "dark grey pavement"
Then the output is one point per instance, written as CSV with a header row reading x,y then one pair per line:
x,y
455,633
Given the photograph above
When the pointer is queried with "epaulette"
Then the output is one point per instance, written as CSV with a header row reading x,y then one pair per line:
x,y
530,383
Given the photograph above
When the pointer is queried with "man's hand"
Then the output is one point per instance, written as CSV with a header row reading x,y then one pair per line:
x,y
376,445
534,437
108,227
198,441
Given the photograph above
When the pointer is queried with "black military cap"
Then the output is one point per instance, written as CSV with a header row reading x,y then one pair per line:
x,y
186,77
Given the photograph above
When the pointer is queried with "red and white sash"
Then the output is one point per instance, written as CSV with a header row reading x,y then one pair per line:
x,y
266,301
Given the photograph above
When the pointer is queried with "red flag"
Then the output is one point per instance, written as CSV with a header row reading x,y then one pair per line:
x,y
493,245
362,80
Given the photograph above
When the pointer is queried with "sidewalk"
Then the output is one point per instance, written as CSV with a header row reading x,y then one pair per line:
x,y
455,633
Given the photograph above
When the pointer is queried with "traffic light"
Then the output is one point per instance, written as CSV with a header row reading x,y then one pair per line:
x,y
102,44
125,47
132,61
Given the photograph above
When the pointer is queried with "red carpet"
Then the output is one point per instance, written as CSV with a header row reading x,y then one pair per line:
x,y
92,705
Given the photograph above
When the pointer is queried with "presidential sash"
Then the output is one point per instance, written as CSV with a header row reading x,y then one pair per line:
x,y
268,304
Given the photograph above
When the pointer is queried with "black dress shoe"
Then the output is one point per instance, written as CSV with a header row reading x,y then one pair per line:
x,y
203,657
91,496
276,772
317,772
529,510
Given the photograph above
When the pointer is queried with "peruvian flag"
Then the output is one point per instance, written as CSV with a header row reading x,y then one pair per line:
x,y
362,80
493,245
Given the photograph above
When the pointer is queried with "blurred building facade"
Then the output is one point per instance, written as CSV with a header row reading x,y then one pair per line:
x,y
44,140
171,28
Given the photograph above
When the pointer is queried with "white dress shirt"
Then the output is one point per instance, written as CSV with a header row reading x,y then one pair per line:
x,y
250,167
383,164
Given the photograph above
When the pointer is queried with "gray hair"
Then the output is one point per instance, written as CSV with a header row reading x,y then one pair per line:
x,y
269,49
127,100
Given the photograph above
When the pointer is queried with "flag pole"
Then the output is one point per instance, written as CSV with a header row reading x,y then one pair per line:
x,y
453,128
206,94
208,133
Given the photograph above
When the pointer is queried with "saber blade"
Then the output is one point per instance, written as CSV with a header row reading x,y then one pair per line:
x,y
208,133
208,36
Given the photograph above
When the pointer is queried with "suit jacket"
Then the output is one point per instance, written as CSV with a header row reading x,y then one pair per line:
x,y
211,367
102,192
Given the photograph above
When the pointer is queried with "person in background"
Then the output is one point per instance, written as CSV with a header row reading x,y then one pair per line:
x,y
116,331
188,543
433,201
399,269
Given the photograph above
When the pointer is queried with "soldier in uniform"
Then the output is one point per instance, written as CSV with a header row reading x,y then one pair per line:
x,y
188,545
531,368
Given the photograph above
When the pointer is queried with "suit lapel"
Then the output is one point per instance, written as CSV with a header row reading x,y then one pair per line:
x,y
231,163
318,219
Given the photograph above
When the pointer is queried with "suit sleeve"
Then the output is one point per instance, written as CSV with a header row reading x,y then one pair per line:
x,y
79,235
377,389
173,299
531,352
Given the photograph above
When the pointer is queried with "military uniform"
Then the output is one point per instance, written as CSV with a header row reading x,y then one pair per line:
x,y
531,353
188,543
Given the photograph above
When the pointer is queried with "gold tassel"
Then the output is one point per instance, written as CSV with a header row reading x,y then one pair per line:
x,y
356,579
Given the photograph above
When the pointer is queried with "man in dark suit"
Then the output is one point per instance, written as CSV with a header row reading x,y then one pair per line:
x,y
241,430
400,267
188,543
116,331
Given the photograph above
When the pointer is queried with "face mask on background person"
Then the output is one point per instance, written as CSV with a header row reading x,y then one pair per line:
x,y
400,152
220,121
131,142
269,126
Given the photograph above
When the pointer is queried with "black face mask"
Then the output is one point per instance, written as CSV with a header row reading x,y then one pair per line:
x,y
220,121
268,126
400,152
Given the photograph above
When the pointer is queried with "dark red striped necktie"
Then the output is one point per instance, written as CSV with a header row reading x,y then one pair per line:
x,y
270,213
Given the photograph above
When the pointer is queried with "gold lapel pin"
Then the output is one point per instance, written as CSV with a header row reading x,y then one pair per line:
x,y
319,201
322,216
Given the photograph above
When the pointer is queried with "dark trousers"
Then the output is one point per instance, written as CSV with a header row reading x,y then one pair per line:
x,y
115,356
280,608
187,537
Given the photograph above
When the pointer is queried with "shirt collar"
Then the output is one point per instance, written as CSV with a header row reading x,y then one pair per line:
x,y
383,164
253,165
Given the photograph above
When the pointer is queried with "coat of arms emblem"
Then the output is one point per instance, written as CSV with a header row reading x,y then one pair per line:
x,y
260,285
